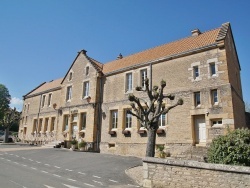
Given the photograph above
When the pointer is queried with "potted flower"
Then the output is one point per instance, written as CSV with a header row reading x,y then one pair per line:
x,y
82,145
162,153
73,144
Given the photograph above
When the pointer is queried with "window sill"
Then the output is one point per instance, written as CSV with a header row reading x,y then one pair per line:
x,y
160,130
112,132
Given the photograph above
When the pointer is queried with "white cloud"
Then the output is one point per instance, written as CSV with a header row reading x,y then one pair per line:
x,y
16,102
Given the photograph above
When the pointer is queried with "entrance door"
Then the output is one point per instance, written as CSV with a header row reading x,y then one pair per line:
x,y
200,130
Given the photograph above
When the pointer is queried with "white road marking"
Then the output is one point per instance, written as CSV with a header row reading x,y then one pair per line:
x,y
57,167
17,183
69,170
98,182
23,157
48,186
81,173
8,160
47,164
133,185
16,162
1,158
33,168
71,179
89,185
70,186
57,175
96,176
38,162
30,159
113,180
44,172
17,156
24,165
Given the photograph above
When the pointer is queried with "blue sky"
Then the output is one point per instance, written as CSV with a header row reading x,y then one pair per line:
x,y
39,39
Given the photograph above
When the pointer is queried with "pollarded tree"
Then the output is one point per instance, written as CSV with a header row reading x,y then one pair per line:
x,y
10,117
149,111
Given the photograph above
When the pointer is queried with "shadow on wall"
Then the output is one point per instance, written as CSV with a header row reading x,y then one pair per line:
x,y
248,119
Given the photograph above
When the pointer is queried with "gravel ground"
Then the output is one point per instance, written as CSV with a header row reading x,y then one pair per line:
x,y
136,173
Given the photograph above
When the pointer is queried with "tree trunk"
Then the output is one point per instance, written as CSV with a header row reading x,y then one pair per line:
x,y
150,152
6,135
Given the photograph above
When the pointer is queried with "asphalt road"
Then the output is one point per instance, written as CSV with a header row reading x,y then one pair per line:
x,y
34,167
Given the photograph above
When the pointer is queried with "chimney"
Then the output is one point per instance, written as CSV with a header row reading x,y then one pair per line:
x,y
195,32
119,56
83,51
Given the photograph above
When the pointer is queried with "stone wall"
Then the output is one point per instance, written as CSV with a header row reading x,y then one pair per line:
x,y
182,173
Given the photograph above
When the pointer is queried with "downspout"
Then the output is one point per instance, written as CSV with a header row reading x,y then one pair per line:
x,y
151,72
37,122
99,115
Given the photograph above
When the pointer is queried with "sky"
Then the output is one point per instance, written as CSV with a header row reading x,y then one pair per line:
x,y
39,39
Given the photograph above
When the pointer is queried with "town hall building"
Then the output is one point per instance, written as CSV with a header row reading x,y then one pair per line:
x,y
91,103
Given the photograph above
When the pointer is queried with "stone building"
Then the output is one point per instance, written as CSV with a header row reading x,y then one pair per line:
x,y
91,101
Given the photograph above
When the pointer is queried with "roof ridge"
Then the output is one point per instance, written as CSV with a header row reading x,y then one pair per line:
x,y
162,45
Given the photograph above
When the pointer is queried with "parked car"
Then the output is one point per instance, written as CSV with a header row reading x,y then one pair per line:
x,y
2,135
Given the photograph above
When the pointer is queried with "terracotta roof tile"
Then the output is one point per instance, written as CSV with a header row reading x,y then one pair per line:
x,y
46,86
179,46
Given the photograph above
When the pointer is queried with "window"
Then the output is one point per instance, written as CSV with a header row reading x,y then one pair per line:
x,y
87,71
143,77
40,125
196,72
66,122
53,122
43,100
128,119
85,89
24,108
114,119
26,118
216,122
83,121
197,99
129,82
214,96
34,125
49,99
70,76
46,124
162,120
28,107
74,118
69,93
212,69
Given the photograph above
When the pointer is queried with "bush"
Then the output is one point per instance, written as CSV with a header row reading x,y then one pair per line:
x,y
82,144
233,148
73,142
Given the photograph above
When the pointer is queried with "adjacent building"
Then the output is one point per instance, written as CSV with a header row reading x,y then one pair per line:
x,y
91,101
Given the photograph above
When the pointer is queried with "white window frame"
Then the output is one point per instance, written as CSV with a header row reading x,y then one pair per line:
x,y
215,98
114,119
49,99
197,95
127,119
129,82
160,121
86,89
69,93
87,71
196,71
83,120
143,76
43,100
66,123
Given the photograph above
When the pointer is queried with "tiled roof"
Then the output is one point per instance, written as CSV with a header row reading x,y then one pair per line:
x,y
46,86
176,47
95,63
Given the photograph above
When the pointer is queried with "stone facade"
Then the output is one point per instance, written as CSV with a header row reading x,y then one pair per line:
x,y
205,76
181,173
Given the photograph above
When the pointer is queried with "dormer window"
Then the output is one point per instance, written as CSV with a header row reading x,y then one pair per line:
x,y
87,71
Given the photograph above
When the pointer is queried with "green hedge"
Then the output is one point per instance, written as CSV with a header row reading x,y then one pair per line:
x,y
233,148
